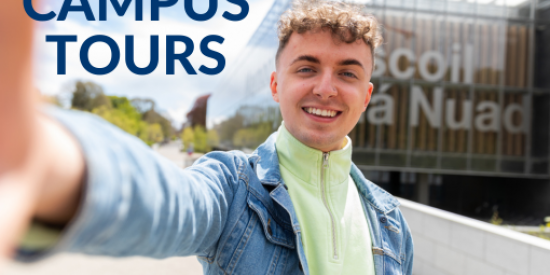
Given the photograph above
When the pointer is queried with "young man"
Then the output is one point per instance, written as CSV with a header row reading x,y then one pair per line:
x,y
296,205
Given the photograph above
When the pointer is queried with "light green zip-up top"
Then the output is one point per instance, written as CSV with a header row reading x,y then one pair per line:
x,y
334,227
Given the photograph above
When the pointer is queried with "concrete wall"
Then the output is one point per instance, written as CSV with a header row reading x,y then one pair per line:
x,y
446,243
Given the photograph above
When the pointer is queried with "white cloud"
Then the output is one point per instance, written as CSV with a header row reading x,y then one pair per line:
x,y
178,114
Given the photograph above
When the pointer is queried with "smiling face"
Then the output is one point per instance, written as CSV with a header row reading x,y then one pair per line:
x,y
323,86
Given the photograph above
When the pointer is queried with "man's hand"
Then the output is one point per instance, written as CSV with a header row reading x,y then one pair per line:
x,y
41,166
17,123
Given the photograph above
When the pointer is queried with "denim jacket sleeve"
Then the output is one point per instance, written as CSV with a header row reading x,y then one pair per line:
x,y
138,203
408,247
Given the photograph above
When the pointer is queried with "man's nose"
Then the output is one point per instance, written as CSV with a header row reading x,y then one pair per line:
x,y
325,88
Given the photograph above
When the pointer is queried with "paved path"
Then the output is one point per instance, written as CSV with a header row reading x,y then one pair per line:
x,y
78,264
172,151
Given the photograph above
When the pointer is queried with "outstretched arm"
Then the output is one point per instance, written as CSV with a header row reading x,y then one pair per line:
x,y
130,200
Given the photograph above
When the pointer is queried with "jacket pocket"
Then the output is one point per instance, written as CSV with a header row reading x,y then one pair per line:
x,y
392,263
257,244
274,232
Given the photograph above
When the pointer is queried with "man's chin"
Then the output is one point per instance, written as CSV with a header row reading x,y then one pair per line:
x,y
322,141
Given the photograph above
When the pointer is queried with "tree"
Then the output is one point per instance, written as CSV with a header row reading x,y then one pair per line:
x,y
151,133
124,115
120,119
212,138
152,117
137,117
201,144
143,104
88,96
230,126
252,136
146,107
187,137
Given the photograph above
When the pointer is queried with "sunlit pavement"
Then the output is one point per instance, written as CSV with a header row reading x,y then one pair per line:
x,y
78,264
173,152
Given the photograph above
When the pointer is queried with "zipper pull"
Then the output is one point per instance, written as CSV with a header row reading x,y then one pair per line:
x,y
325,159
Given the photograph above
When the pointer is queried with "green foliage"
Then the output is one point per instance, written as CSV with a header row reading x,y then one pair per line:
x,y
212,138
252,136
200,141
495,219
120,111
540,233
119,118
152,117
152,133
248,127
146,107
187,137
88,96
230,126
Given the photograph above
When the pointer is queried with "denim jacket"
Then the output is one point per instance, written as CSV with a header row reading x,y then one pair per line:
x,y
230,209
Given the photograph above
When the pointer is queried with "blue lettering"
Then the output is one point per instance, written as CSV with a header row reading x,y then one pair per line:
x,y
154,56
61,50
157,4
35,15
84,7
212,8
120,9
172,56
84,51
212,54
244,11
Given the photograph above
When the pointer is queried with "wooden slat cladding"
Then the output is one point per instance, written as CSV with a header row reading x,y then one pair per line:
x,y
391,130
516,56
403,109
513,143
423,44
462,143
405,133
518,138
397,136
511,56
435,27
516,76
500,58
495,55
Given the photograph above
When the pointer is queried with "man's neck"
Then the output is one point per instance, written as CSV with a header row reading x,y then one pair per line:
x,y
305,162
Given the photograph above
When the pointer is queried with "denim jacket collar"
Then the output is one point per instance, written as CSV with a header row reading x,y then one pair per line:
x,y
266,163
267,167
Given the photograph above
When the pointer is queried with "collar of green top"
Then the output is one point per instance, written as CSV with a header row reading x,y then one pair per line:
x,y
306,163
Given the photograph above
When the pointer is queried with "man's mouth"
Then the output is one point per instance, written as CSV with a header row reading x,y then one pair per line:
x,y
321,112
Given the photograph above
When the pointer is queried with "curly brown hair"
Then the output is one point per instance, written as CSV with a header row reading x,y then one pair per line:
x,y
346,21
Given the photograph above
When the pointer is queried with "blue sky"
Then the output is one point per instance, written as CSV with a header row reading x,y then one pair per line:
x,y
174,94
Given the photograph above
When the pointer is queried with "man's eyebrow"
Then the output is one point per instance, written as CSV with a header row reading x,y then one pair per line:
x,y
308,58
351,62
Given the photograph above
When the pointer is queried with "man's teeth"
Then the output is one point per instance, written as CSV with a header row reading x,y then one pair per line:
x,y
319,112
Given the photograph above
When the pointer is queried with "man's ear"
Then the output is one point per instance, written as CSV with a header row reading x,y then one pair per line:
x,y
369,94
273,87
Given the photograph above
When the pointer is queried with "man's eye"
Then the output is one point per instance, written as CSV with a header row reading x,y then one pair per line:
x,y
348,74
305,70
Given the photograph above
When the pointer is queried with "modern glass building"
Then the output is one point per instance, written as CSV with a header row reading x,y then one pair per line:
x,y
460,115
